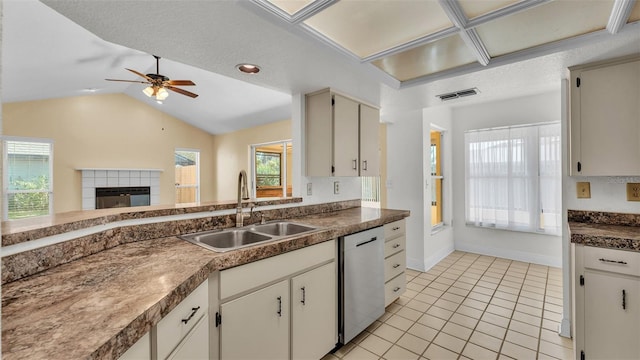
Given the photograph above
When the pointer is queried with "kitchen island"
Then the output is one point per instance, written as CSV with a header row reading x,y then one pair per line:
x,y
99,305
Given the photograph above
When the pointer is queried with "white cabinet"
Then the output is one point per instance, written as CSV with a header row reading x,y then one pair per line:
x,y
195,344
282,307
395,261
141,350
176,327
314,294
256,326
607,303
342,136
605,118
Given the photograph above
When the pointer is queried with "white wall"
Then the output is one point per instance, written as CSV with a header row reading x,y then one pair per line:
x,y
608,193
529,247
408,182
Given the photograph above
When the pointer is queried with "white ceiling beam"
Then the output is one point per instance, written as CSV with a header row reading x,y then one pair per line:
x,y
411,44
619,15
300,16
506,11
471,39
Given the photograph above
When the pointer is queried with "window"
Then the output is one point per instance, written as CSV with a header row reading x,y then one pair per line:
x,y
513,178
370,191
187,175
436,178
272,169
28,178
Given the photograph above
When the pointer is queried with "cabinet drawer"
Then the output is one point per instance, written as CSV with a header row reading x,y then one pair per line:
x,y
394,265
393,246
394,229
617,261
171,329
246,277
394,288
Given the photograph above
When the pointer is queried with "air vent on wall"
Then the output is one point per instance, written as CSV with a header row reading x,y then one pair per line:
x,y
458,94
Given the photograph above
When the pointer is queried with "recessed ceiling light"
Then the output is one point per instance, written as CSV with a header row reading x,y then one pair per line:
x,y
91,90
248,68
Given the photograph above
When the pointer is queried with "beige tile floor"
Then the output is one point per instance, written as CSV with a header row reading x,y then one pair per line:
x,y
469,306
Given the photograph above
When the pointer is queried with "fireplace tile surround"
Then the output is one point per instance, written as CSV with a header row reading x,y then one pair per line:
x,y
93,178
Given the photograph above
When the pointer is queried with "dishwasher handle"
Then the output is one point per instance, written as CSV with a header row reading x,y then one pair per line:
x,y
368,241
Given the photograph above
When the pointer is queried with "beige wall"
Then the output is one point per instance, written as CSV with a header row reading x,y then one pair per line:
x,y
108,131
233,154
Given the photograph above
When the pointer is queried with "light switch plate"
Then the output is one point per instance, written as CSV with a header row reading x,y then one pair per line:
x,y
336,187
583,190
633,191
309,190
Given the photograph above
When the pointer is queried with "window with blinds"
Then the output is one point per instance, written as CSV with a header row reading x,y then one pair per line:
x,y
28,178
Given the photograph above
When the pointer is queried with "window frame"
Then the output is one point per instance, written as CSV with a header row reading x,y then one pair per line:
x,y
531,178
434,178
5,173
284,163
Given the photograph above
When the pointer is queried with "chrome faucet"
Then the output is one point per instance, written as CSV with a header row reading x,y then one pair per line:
x,y
243,194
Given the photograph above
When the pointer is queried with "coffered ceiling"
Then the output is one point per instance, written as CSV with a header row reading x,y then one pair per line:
x,y
416,41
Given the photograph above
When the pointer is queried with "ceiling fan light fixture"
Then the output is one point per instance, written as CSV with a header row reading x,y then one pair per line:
x,y
162,94
248,68
149,91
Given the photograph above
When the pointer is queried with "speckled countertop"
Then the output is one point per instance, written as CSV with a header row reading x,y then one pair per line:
x,y
605,229
98,306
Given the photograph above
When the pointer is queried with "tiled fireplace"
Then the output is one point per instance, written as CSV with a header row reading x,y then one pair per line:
x,y
114,178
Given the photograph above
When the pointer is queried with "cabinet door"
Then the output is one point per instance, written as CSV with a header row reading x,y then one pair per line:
x,y
256,326
609,128
611,331
141,350
319,134
195,346
314,312
369,141
345,136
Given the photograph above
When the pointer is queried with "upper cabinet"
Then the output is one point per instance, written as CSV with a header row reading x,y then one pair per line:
x,y
605,118
342,136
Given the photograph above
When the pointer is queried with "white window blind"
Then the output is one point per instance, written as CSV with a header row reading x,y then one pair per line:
x,y
28,178
513,178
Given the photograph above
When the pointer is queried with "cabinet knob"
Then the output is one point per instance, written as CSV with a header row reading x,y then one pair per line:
x,y
354,164
395,246
396,228
396,289
364,165
396,266
304,296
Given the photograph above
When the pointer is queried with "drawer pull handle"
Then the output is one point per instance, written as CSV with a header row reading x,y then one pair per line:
x,y
613,261
395,246
396,228
396,266
624,300
193,312
396,289
304,296
280,306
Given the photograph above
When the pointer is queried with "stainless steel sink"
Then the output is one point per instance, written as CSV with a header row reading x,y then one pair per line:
x,y
236,238
283,228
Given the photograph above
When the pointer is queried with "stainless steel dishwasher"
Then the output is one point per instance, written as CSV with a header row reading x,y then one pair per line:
x,y
361,281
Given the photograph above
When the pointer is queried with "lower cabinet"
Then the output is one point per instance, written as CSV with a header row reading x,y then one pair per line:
x,y
196,344
607,303
314,295
141,350
395,261
283,307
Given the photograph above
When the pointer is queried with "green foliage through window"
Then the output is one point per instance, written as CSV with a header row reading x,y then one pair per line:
x,y
268,169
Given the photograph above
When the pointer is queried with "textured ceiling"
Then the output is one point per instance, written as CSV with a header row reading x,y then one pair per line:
x,y
57,53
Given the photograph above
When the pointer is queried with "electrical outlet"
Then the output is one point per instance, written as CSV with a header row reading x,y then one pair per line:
x,y
309,192
583,190
336,187
633,191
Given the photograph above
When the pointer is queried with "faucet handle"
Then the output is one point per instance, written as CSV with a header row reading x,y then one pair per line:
x,y
262,219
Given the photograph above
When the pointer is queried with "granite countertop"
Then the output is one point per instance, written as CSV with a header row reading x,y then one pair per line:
x,y
605,229
98,306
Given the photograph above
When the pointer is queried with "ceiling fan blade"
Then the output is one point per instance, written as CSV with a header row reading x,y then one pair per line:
x,y
132,81
141,75
180,82
183,92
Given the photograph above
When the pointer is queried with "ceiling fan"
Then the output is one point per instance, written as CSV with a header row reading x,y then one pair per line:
x,y
158,84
